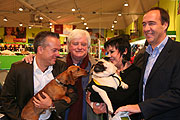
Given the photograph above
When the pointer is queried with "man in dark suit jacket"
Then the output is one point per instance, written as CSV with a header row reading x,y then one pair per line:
x,y
21,82
160,84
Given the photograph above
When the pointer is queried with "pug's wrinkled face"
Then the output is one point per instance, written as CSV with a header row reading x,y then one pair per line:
x,y
103,68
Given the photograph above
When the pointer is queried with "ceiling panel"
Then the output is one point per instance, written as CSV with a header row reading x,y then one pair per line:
x,y
97,13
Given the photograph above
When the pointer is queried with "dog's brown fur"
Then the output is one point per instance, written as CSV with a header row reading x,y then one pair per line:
x,y
54,90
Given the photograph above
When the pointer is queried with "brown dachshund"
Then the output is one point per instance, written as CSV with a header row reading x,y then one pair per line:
x,y
56,89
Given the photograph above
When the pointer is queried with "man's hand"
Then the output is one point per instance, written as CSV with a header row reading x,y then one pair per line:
x,y
132,109
28,58
98,108
43,103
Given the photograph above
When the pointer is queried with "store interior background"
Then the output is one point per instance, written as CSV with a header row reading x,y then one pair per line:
x,y
133,29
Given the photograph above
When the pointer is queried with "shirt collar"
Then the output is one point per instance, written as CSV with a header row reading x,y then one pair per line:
x,y
36,68
157,49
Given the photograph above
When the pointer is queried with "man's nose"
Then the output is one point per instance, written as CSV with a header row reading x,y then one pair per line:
x,y
146,28
79,46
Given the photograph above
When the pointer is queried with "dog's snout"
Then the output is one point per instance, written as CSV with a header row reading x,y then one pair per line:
x,y
107,58
99,67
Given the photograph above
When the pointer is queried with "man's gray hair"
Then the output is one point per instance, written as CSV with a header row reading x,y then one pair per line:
x,y
79,33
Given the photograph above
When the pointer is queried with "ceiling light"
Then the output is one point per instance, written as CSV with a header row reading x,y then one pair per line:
x,y
87,27
112,26
59,16
30,27
21,9
20,24
41,18
85,23
73,9
115,21
50,26
112,29
125,3
50,23
119,14
82,18
5,19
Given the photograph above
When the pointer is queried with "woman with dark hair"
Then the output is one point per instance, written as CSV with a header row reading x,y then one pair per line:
x,y
119,52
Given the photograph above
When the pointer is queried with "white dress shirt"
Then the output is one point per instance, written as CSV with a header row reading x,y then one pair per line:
x,y
41,79
153,55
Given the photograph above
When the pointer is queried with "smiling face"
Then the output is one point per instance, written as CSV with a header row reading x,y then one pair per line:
x,y
154,30
115,56
78,48
49,52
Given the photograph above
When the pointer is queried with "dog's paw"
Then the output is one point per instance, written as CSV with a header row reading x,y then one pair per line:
x,y
110,110
124,85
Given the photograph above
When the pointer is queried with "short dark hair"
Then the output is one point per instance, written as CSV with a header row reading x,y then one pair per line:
x,y
121,43
163,13
40,39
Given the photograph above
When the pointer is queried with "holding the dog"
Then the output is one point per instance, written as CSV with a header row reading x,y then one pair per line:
x,y
78,47
119,52
25,80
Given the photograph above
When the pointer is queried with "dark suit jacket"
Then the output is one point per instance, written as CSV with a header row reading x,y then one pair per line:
x,y
19,88
162,91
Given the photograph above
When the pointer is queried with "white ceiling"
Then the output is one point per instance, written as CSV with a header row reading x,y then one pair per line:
x,y
97,13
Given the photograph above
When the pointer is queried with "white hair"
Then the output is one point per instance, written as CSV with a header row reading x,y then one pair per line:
x,y
77,34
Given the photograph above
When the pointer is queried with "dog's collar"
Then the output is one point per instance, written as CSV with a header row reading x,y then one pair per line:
x,y
59,82
117,77
96,81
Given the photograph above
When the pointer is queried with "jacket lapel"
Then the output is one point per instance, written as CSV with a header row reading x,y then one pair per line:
x,y
142,75
161,58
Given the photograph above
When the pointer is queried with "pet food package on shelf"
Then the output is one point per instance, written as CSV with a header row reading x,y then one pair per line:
x,y
121,115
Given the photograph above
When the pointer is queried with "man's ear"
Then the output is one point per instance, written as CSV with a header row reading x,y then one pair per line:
x,y
165,25
40,49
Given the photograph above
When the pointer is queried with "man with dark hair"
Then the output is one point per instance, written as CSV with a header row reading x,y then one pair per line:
x,y
25,80
160,83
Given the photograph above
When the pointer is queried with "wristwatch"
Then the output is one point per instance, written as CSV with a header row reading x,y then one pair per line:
x,y
52,107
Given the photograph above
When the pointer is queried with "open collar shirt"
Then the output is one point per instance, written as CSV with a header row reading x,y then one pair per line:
x,y
41,79
153,55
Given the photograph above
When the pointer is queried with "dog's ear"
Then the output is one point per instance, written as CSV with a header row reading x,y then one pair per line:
x,y
71,78
106,58
92,66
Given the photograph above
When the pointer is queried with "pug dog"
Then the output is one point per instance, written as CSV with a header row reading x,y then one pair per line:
x,y
104,76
